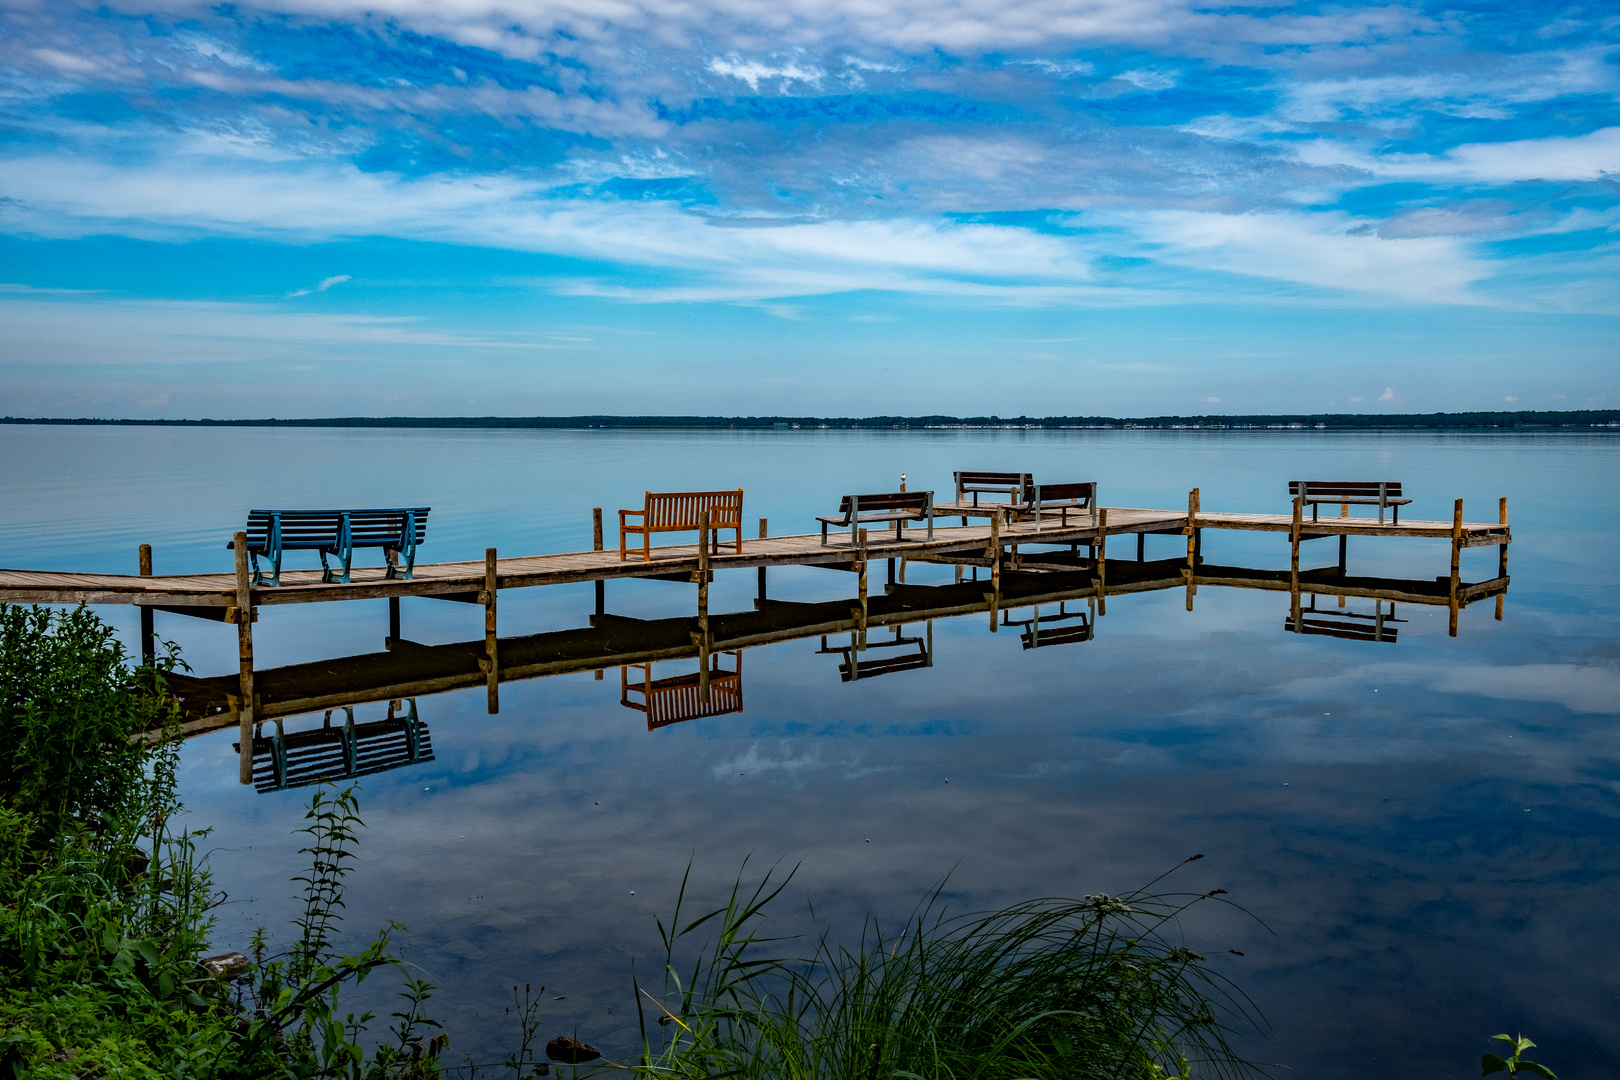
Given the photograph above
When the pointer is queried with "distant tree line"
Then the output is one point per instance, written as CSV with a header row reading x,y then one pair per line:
x,y
1512,420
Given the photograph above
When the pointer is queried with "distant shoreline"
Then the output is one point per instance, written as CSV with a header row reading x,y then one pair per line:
x,y
1572,420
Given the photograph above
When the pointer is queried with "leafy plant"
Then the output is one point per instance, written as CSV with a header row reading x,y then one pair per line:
x,y
1516,1064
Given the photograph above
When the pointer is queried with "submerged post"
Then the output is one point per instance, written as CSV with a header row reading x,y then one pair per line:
x,y
148,632
491,658
244,653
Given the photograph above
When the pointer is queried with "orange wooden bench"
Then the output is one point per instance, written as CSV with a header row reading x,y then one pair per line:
x,y
677,511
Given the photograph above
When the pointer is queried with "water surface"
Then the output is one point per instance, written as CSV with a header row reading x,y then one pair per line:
x,y
1425,827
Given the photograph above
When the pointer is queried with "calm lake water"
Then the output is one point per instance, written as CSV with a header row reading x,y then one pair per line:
x,y
1426,827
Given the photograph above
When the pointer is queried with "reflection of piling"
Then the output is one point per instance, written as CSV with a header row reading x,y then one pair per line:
x,y
148,633
491,661
243,613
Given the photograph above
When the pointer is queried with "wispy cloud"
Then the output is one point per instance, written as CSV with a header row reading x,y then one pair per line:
x,y
326,283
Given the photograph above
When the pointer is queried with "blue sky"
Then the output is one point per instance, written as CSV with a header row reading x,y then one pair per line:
x,y
848,207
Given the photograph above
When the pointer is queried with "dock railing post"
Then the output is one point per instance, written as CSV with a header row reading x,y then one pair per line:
x,y
1456,562
596,545
148,631
492,658
245,710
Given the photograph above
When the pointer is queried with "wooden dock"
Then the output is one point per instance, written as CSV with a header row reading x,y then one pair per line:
x,y
998,545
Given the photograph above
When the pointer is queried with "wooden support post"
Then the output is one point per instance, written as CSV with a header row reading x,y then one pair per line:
x,y
148,631
1293,558
596,528
244,654
1102,561
762,534
1456,562
1344,552
703,606
491,656
1141,547
393,618
1501,560
860,566
902,481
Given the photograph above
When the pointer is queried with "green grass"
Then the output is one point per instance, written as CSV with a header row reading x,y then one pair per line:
x,y
1095,988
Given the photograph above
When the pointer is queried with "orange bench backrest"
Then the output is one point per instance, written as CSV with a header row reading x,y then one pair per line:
x,y
680,509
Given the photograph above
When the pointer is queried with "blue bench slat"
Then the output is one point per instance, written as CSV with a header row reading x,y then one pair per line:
x,y
271,532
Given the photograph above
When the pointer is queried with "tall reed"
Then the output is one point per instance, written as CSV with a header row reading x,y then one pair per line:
x,y
1094,988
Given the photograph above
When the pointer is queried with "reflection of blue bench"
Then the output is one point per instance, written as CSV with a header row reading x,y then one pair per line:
x,y
335,532
301,758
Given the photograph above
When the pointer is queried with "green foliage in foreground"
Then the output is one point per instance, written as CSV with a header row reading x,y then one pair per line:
x,y
1050,988
106,908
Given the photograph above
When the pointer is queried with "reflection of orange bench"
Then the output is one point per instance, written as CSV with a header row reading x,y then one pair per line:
x,y
677,511
669,701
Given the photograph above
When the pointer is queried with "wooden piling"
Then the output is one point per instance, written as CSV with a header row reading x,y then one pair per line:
x,y
148,631
244,654
1456,562
1190,530
1501,558
993,552
596,545
492,658
1101,562
1293,556
860,566
762,535
393,618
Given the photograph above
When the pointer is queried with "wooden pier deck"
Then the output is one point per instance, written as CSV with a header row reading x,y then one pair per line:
x,y
464,580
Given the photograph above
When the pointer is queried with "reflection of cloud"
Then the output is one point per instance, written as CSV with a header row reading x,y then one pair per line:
x,y
1581,689
751,763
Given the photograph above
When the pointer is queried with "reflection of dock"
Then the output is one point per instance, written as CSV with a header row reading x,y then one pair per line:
x,y
409,670
1351,625
906,658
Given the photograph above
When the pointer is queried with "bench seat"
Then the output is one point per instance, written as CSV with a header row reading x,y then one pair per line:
x,y
398,531
1380,493
898,507
678,511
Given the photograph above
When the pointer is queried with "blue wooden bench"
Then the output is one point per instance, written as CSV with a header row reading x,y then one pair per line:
x,y
335,532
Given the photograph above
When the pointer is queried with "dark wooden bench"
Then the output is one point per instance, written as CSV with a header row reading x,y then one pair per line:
x,y
1016,486
1379,493
335,532
1062,498
677,511
301,758
896,506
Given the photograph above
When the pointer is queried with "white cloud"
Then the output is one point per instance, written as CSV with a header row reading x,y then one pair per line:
x,y
326,283
1388,394
753,71
1311,249
1579,157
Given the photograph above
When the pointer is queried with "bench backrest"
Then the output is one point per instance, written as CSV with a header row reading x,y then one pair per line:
x,y
1046,493
1014,484
919,501
320,528
680,509
1328,490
